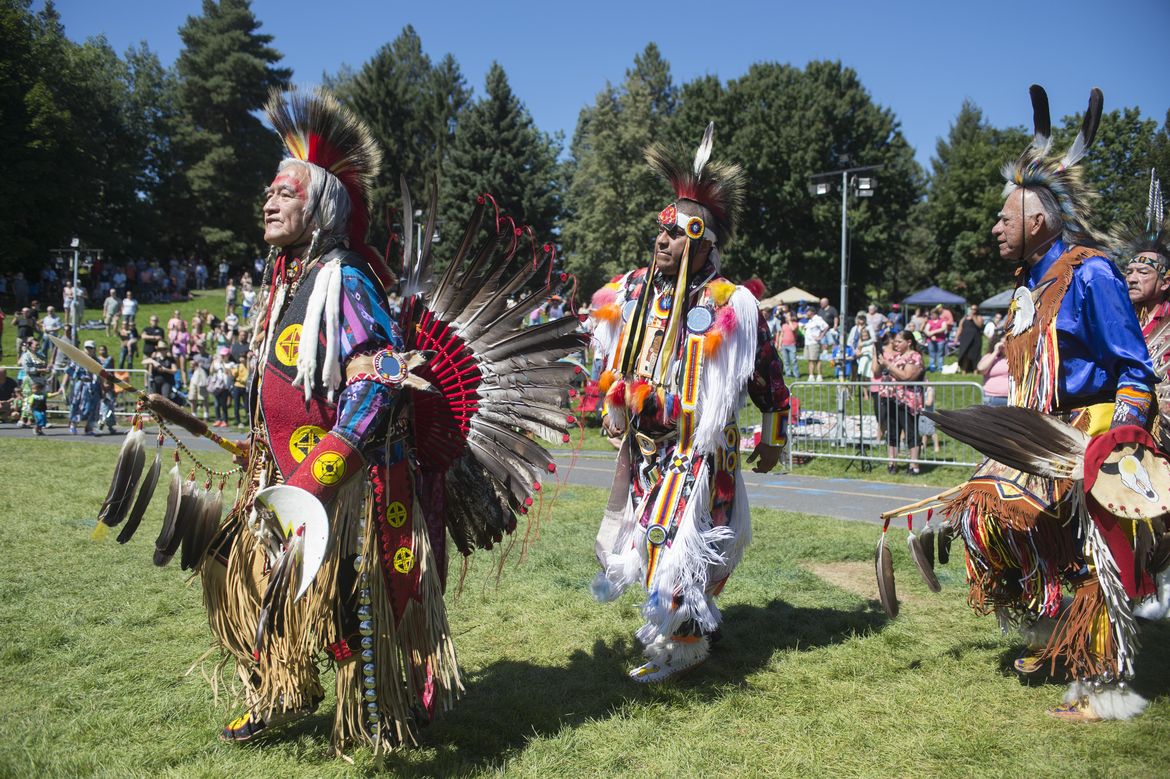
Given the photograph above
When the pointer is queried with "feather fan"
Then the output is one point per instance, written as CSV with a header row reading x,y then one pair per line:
x,y
1019,438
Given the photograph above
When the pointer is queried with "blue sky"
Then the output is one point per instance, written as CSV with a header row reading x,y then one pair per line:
x,y
920,59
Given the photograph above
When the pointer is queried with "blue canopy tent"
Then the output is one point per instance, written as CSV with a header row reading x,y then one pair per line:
x,y
933,296
1002,300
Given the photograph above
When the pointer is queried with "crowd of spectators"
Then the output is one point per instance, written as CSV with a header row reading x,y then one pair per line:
x,y
893,352
814,331
205,360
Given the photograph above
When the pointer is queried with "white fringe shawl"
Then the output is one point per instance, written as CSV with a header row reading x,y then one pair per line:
x,y
730,367
324,302
606,335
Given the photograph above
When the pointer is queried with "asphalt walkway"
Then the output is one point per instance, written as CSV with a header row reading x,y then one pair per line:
x,y
852,499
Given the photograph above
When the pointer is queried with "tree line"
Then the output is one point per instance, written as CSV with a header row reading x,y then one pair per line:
x,y
144,160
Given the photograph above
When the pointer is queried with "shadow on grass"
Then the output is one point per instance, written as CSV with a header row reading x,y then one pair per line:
x,y
511,702
1151,667
753,634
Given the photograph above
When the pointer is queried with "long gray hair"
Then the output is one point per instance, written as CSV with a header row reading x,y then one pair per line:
x,y
327,204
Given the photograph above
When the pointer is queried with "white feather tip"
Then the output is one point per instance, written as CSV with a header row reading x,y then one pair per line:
x,y
704,151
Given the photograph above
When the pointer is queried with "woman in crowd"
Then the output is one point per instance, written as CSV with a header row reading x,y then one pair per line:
x,y
219,384
240,388
789,330
901,403
173,325
229,294
866,349
85,395
970,340
198,334
882,350
936,339
247,297
128,333
109,397
197,394
180,348
996,375
33,371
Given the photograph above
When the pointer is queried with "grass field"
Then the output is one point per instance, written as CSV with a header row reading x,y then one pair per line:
x,y
811,679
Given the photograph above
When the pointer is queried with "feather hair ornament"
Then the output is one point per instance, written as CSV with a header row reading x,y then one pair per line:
x,y
1038,168
717,186
316,129
1128,241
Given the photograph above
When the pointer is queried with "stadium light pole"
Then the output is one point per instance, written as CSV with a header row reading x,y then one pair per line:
x,y
821,184
75,244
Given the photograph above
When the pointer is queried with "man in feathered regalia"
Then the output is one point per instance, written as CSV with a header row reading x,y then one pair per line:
x,y
1143,249
681,345
1070,496
373,439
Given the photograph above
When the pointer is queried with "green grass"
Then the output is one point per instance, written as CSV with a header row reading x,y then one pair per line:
x,y
811,679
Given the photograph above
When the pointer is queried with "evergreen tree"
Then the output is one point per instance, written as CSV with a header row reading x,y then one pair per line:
x,y
110,169
75,165
226,69
447,98
612,197
38,135
168,224
498,150
964,194
411,107
389,93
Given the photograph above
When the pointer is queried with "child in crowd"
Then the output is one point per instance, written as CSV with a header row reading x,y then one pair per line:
x,y
37,405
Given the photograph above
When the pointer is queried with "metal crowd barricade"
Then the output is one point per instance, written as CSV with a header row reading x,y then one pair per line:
x,y
850,420
124,402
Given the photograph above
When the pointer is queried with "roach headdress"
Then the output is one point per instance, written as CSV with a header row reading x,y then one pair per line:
x,y
717,186
1129,241
1038,168
318,130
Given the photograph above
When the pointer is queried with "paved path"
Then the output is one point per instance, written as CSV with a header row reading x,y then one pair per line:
x,y
854,499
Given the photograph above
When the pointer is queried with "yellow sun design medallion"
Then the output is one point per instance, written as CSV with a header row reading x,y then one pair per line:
x,y
403,559
329,468
288,345
303,439
396,514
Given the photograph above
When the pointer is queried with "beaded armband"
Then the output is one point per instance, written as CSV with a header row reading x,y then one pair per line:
x,y
774,428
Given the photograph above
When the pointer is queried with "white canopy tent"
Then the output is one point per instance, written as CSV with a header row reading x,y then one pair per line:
x,y
789,296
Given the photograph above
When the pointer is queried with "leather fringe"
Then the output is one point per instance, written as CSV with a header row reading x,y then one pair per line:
x,y
1083,639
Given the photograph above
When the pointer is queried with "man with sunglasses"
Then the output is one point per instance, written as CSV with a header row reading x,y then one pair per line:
x,y
681,345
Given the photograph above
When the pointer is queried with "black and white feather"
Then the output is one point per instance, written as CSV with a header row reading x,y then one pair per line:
x,y
1019,438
